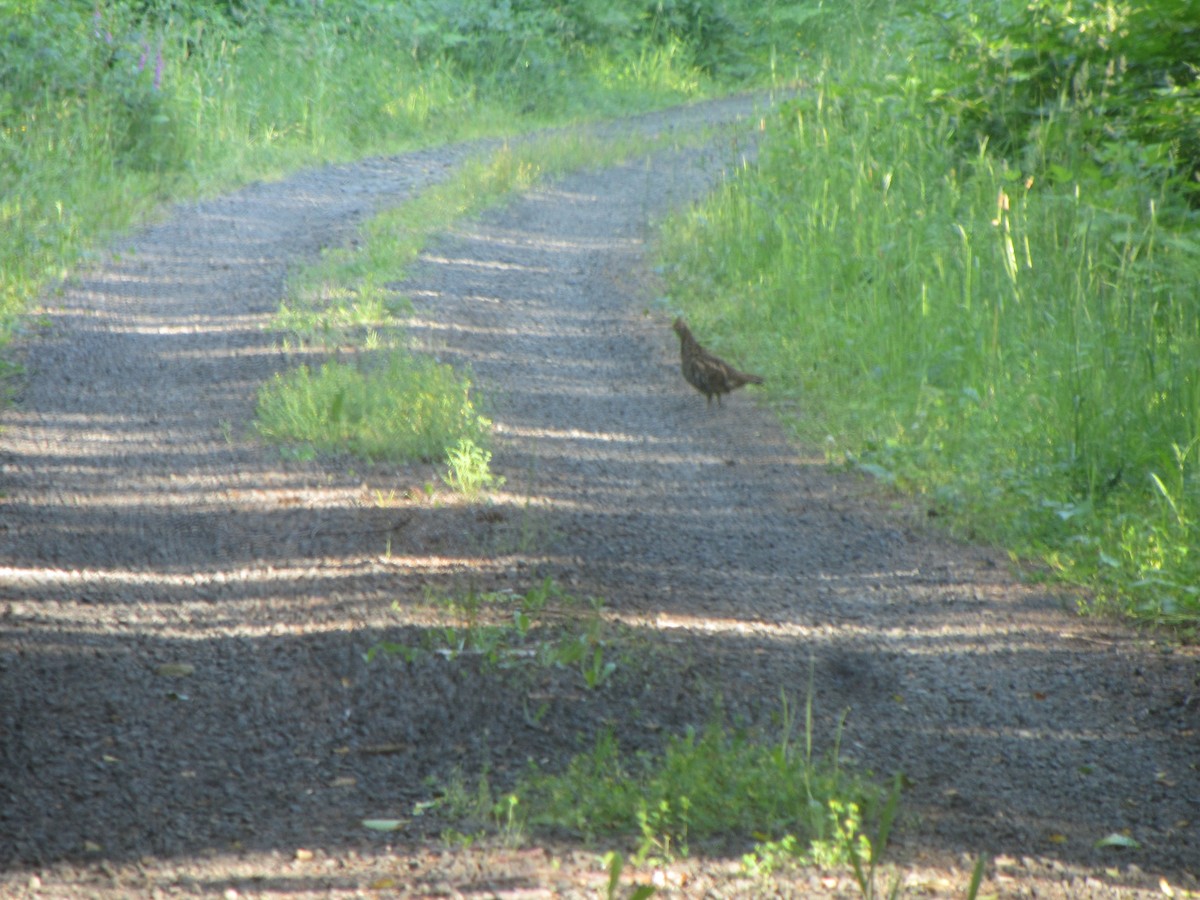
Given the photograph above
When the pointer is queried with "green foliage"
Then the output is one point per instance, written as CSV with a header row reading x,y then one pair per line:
x,y
469,468
712,784
866,864
400,408
1016,343
615,863
715,786
1118,79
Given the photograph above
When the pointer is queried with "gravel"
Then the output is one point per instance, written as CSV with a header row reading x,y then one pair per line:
x,y
185,707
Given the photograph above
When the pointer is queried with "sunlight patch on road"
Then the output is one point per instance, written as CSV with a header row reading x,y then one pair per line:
x,y
937,640
572,434
495,264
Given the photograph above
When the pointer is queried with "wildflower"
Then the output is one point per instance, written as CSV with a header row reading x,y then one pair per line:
x,y
98,30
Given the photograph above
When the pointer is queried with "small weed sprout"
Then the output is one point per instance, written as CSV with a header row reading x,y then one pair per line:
x,y
469,469
597,670
507,630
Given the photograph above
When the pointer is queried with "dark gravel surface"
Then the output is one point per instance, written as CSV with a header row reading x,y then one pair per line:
x,y
184,705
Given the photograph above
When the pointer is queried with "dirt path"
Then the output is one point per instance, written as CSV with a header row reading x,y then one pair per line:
x,y
141,528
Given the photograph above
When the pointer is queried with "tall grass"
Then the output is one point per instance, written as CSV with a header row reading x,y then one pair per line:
x,y
1017,343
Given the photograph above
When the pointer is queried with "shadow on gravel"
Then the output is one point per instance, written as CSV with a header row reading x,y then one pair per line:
x,y
184,616
280,741
278,735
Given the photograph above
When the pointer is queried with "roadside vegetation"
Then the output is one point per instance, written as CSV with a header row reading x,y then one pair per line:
x,y
967,263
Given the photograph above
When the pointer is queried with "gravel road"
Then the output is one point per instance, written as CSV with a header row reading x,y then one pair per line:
x,y
184,704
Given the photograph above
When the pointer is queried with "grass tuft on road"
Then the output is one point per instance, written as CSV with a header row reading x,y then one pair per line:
x,y
400,408
766,793
708,790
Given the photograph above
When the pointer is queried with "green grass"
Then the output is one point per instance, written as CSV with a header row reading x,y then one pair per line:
x,y
1008,336
398,408
709,787
706,790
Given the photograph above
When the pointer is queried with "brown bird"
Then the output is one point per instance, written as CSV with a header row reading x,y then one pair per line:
x,y
708,374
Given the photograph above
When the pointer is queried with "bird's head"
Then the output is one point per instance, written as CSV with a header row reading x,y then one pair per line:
x,y
680,326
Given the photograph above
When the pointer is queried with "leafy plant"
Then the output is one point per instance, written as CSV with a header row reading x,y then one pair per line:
x,y
615,863
469,468
474,805
596,669
865,862
1114,74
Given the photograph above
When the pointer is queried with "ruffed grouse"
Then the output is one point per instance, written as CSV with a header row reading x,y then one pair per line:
x,y
708,374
